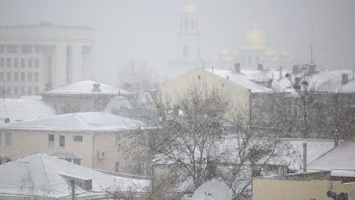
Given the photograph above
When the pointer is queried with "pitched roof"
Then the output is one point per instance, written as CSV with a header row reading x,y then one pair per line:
x,y
86,87
89,121
24,109
241,79
340,158
46,176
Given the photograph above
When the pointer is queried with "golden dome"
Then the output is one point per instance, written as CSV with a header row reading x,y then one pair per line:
x,y
285,55
190,8
270,54
255,39
225,55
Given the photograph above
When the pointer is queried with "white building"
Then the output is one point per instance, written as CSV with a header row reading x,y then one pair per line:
x,y
32,56
188,53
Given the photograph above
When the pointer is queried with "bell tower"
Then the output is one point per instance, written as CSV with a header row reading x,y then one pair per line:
x,y
189,34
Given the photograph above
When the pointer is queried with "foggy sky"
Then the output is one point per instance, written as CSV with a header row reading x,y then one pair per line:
x,y
146,30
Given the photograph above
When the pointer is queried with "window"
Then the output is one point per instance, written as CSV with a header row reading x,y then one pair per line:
x,y
37,49
16,62
36,90
78,138
50,140
22,76
0,140
30,62
12,48
1,76
23,62
36,76
117,166
2,62
185,51
29,92
8,76
29,76
8,90
2,48
77,161
15,76
118,140
26,48
36,62
22,90
8,62
8,138
15,90
62,141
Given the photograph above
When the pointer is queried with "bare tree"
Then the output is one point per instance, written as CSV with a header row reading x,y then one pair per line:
x,y
194,134
137,76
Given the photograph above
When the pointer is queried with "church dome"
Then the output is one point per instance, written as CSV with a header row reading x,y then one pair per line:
x,y
190,8
225,55
255,39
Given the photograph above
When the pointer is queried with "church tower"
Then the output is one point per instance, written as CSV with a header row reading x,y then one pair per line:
x,y
188,46
189,34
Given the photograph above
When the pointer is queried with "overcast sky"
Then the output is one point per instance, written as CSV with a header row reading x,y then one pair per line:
x,y
147,29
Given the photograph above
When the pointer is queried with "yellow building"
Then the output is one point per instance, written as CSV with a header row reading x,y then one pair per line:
x,y
236,86
96,140
279,188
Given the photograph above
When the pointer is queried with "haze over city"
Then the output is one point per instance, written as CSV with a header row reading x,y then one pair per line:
x,y
147,30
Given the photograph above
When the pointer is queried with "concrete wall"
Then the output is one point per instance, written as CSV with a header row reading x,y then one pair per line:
x,y
239,95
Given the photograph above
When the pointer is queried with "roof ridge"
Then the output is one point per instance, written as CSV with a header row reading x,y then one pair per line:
x,y
82,120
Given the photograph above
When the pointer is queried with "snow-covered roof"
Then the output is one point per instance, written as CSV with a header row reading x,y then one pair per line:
x,y
290,151
322,81
88,121
340,158
315,149
24,109
86,87
46,176
240,79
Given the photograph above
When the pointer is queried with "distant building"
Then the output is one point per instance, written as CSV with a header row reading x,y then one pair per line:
x,y
32,56
254,51
96,140
189,51
83,96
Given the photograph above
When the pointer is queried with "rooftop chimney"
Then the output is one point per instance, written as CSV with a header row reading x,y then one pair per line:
x,y
260,67
96,87
312,69
296,69
304,157
344,78
280,72
282,171
237,67
336,139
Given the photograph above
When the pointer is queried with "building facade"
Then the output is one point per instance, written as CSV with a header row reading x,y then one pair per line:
x,y
96,140
32,56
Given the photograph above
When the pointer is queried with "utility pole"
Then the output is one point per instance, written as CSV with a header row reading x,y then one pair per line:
x,y
72,183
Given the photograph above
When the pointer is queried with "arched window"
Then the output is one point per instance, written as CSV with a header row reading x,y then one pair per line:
x,y
192,24
185,51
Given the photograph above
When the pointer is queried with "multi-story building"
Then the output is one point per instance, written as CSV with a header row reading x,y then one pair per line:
x,y
32,56
97,140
